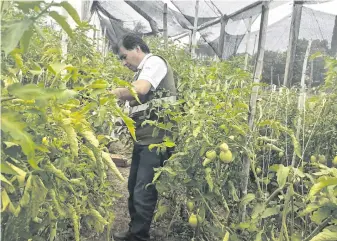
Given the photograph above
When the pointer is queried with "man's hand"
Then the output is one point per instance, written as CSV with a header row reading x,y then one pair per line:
x,y
141,87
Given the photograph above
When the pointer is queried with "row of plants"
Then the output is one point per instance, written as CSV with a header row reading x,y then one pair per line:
x,y
57,176
290,189
57,114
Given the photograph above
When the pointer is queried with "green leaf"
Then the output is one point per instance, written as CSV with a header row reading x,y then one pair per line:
x,y
38,194
25,92
156,175
209,179
7,169
13,34
99,84
56,68
63,96
161,210
168,142
35,72
25,40
196,131
316,55
33,164
107,158
321,214
71,11
258,210
247,199
3,179
62,22
10,124
18,59
169,170
270,212
282,175
72,139
10,144
25,6
258,236
226,238
128,122
309,209
326,235
322,183
151,146
232,190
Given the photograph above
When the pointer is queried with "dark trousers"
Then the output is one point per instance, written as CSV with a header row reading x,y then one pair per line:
x,y
143,197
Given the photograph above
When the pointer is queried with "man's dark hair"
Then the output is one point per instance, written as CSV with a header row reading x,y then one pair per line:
x,y
131,41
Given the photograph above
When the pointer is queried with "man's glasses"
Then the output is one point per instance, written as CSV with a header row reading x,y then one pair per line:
x,y
122,57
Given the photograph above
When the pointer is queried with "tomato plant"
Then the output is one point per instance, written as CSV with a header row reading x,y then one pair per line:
x,y
213,109
57,115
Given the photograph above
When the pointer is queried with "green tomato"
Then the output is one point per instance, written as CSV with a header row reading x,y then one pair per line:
x,y
313,158
211,155
206,162
258,171
226,157
224,147
334,161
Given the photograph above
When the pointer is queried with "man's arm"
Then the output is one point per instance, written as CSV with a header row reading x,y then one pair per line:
x,y
142,87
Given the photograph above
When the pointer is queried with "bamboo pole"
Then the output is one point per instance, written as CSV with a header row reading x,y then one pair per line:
x,y
334,40
165,26
195,29
247,43
64,37
104,42
252,105
64,43
271,75
301,98
311,79
224,21
293,37
278,80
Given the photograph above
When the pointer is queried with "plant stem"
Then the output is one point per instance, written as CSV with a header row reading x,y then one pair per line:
x,y
215,217
319,228
275,193
43,11
7,99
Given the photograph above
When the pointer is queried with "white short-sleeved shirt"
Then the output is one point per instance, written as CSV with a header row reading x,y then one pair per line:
x,y
153,69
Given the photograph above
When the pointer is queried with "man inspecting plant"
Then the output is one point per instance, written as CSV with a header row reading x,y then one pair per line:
x,y
153,84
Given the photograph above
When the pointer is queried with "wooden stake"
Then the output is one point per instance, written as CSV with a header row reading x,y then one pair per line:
x,y
301,98
311,79
104,42
278,80
195,29
252,105
334,40
165,25
64,38
293,37
224,21
271,75
247,43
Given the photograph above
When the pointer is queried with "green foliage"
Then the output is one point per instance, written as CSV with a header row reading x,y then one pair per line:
x,y
213,108
54,168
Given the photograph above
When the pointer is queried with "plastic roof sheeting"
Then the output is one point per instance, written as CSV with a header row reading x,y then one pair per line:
x,y
119,17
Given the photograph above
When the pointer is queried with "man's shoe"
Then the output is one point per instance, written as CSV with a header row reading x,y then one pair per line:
x,y
121,236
